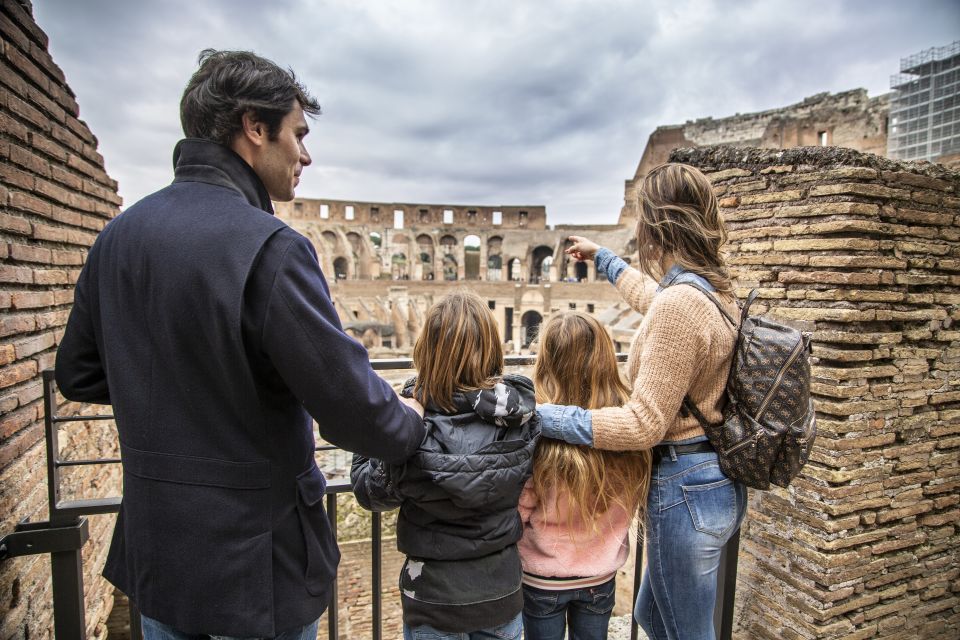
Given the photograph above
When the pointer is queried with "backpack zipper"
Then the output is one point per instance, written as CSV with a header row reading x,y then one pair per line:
x,y
740,445
776,382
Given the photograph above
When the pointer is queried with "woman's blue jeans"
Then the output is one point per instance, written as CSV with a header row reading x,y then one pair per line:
x,y
546,614
692,510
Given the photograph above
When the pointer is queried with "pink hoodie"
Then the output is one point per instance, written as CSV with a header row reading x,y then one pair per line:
x,y
549,548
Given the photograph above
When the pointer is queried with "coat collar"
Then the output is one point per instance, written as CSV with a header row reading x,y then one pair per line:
x,y
196,160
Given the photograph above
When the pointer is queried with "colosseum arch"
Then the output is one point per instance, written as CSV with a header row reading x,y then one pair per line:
x,y
425,256
341,268
514,270
537,258
471,257
495,258
450,264
361,256
529,327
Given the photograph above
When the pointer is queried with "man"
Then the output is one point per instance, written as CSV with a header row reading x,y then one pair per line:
x,y
207,324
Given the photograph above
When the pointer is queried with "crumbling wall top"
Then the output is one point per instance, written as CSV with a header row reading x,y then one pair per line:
x,y
725,157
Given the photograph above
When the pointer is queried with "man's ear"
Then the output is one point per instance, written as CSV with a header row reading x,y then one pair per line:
x,y
254,131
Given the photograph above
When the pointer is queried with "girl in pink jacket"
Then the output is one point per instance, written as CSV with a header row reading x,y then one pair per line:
x,y
578,506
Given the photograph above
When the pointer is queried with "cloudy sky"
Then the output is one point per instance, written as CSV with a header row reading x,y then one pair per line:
x,y
482,101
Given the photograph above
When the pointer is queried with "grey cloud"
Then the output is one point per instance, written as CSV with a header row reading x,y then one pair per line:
x,y
489,102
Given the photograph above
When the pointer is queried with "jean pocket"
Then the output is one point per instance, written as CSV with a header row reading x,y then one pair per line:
x,y
603,597
713,507
539,603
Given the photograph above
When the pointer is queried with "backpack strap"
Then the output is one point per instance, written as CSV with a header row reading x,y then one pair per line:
x,y
688,408
724,312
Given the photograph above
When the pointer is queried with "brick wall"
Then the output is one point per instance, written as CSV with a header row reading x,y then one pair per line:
x,y
865,253
54,198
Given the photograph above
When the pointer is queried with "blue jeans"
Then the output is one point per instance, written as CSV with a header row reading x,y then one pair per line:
x,y
512,630
692,510
153,630
547,613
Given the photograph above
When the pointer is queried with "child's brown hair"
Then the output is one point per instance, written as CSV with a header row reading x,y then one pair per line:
x,y
459,348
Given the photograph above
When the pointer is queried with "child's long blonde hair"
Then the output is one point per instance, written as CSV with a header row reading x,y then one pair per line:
x,y
576,365
459,349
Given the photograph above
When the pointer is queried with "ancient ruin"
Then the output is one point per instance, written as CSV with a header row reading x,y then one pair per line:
x,y
387,262
850,119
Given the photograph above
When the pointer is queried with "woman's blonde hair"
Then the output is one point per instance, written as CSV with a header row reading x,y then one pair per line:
x,y
459,348
576,364
679,215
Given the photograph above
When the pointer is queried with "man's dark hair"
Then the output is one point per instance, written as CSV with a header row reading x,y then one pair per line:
x,y
229,84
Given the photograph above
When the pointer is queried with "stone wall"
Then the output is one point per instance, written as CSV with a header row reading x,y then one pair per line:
x,y
865,253
54,198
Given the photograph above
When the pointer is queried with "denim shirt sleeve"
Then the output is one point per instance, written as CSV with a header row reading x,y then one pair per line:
x,y
609,264
568,423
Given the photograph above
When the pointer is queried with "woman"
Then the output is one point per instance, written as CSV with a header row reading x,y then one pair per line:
x,y
683,347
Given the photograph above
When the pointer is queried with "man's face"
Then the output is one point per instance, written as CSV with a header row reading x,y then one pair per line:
x,y
280,161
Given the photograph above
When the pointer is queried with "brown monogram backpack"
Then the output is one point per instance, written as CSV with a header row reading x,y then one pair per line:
x,y
768,423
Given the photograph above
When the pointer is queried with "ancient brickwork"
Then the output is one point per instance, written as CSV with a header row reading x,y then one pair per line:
x,y
54,197
865,253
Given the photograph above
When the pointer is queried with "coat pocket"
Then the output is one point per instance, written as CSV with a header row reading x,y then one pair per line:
x,y
320,543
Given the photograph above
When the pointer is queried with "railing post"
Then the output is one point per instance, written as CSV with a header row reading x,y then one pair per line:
x,y
726,588
69,610
637,576
333,610
377,557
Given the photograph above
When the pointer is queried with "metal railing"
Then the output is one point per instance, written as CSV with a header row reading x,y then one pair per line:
x,y
67,530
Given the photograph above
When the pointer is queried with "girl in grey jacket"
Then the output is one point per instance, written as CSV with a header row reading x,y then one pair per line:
x,y
458,523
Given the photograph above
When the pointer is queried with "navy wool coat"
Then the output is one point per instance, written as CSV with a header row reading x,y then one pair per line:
x,y
207,324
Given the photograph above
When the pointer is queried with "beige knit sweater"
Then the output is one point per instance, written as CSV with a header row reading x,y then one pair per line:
x,y
683,346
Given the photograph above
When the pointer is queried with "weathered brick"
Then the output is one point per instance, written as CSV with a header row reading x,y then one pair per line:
x,y
776,196
32,299
33,344
901,178
924,217
16,373
28,202
827,244
29,253
828,277
718,176
859,189
15,224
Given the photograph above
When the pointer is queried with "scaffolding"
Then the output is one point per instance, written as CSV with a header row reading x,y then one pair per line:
x,y
925,106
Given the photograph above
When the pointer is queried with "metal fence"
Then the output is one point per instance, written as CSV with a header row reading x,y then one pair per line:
x,y
67,530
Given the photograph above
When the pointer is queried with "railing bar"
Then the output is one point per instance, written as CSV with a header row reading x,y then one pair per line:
x,y
80,463
58,419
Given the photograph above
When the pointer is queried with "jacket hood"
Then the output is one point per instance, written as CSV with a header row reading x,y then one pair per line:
x,y
510,403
